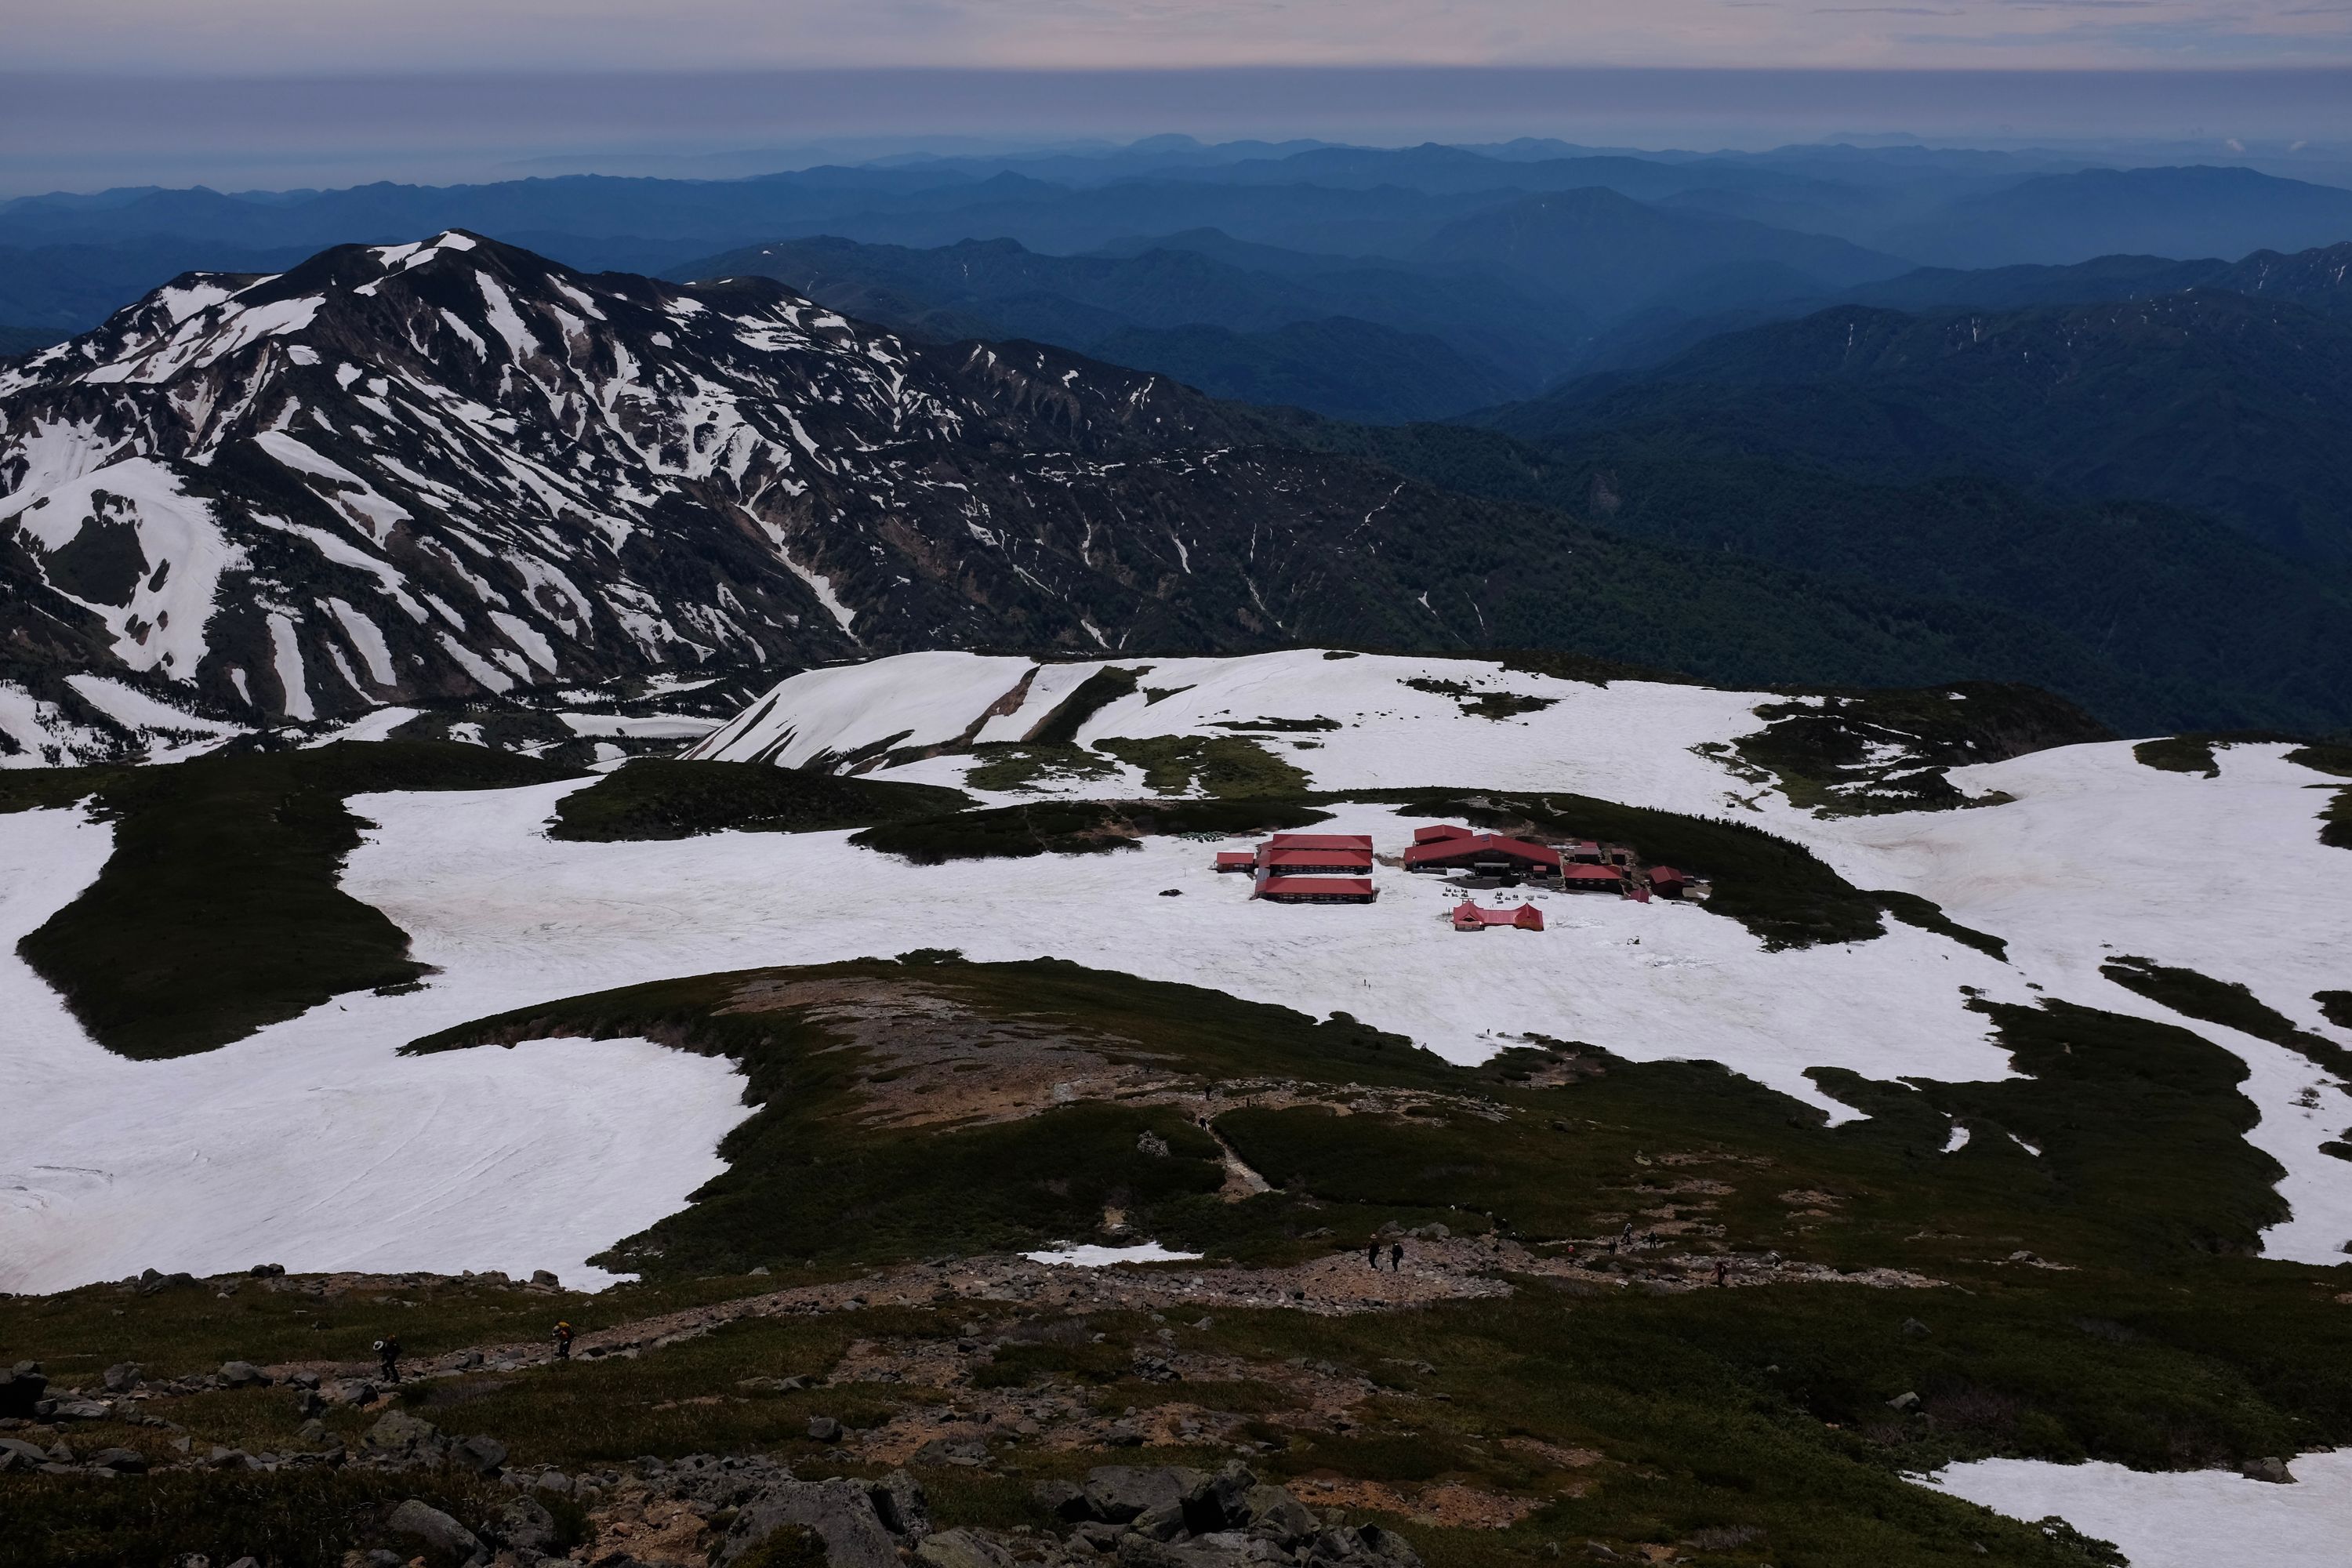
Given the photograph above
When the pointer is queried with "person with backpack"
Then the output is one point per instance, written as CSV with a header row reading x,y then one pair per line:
x,y
387,1354
563,1341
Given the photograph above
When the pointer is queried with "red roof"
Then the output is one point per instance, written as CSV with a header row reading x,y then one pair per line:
x,y
1469,915
1362,841
1316,887
1584,873
1439,830
1480,846
1340,859
1240,859
1663,874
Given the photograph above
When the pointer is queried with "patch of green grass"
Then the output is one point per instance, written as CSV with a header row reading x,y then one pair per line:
x,y
2335,821
1225,766
1090,697
1823,753
219,911
2325,757
1928,915
662,797
2178,754
1010,765
1076,827
1481,704
2335,1007
2227,1003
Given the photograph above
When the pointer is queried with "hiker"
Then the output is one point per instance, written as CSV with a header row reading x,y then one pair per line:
x,y
387,1352
1372,1254
1396,1256
563,1341
1720,1268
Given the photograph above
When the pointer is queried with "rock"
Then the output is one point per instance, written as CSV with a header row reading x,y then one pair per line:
x,y
823,1429
242,1374
898,1502
1914,1329
2272,1470
78,1409
1118,1493
380,1558
124,1461
222,1459
839,1510
483,1456
347,1391
22,1387
968,1452
247,1563
27,1455
312,1433
1165,1522
1152,1144
1124,1435
435,1529
122,1378
266,1270
524,1526
1367,1547
1278,1517
1062,1498
1904,1404
303,1379
401,1438
307,1405
1220,1503
962,1549
554,1482
541,1277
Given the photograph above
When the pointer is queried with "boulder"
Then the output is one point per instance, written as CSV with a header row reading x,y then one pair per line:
x,y
242,1374
15,1454
1221,1501
400,1438
899,1503
435,1529
524,1526
839,1510
1276,1516
124,1461
2272,1470
1064,1500
541,1277
78,1409
22,1387
1904,1404
962,1549
347,1391
483,1456
122,1378
825,1429
1118,1493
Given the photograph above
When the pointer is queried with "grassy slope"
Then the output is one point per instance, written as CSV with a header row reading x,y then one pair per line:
x,y
219,911
660,797
2160,1343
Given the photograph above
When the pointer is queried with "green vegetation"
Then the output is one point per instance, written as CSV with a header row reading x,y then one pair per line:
x,y
1772,884
1755,1418
2335,1007
1091,696
1481,704
1928,915
1020,765
1076,827
2180,754
661,797
1225,766
2325,757
2335,821
1829,754
219,911
2227,1003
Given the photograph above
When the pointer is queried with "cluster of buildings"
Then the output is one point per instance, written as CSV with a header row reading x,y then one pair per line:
x,y
1337,868
1308,867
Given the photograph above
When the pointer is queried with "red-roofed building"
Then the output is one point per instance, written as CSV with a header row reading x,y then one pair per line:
x,y
1287,862
1577,878
1470,916
1316,889
1488,854
1236,859
1667,882
1362,841
1438,830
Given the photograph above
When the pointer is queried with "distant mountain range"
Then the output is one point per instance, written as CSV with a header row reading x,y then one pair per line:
x,y
440,471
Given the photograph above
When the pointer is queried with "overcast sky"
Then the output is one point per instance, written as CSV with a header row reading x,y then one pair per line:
x,y
260,93
270,35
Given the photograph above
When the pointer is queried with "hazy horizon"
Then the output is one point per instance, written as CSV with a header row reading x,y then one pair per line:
x,y
87,133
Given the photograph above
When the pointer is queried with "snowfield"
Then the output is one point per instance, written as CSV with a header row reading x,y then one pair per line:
x,y
312,1144
2183,1519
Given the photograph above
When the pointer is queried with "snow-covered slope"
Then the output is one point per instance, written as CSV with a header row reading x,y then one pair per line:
x,y
453,468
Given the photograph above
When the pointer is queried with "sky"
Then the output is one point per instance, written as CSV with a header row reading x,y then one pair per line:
x,y
277,93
